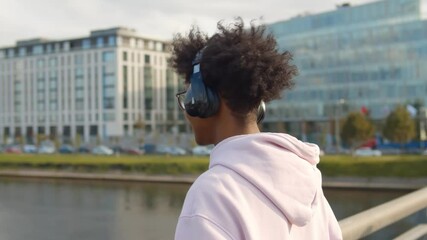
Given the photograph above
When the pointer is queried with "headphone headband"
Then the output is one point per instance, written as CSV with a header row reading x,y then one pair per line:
x,y
202,101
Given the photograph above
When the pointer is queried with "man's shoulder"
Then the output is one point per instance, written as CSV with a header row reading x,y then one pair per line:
x,y
213,186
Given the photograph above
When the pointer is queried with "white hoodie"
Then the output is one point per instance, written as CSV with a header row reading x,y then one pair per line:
x,y
259,186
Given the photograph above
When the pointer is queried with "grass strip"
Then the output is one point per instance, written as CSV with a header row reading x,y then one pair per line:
x,y
407,166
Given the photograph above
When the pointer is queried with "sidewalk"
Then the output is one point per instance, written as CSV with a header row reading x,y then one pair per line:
x,y
375,183
328,182
110,176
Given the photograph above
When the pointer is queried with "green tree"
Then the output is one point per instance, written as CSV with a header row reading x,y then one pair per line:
x,y
40,138
399,126
139,126
356,129
20,140
5,138
56,141
78,140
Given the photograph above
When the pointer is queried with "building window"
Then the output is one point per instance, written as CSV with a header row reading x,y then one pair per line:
x,y
78,59
140,43
93,130
108,56
53,106
86,43
53,62
132,42
57,47
40,95
159,46
125,56
109,80
80,118
100,42
147,59
11,53
109,117
38,50
108,103
66,46
53,84
48,48
78,72
119,41
22,52
125,87
79,83
40,106
111,41
150,45
79,93
109,92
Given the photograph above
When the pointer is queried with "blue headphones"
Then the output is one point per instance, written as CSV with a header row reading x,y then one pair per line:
x,y
202,101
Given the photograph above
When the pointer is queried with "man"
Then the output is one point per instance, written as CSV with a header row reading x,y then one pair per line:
x,y
259,185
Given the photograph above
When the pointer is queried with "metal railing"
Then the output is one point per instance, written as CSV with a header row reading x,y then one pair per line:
x,y
376,218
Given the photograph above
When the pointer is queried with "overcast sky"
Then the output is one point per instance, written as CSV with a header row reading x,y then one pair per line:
x,y
160,19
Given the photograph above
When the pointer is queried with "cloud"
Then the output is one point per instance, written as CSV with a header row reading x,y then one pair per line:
x,y
55,19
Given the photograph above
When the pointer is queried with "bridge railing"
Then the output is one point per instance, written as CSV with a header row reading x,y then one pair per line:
x,y
376,218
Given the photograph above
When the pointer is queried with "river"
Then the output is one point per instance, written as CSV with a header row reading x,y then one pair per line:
x,y
46,209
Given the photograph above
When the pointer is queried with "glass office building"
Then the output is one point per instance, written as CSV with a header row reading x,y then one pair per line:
x,y
371,56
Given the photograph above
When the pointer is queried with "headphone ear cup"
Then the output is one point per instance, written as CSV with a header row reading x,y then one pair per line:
x,y
261,112
200,100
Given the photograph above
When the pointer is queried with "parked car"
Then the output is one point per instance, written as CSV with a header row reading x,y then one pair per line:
x,y
162,149
102,150
118,149
148,148
424,152
29,148
46,149
66,149
133,151
173,150
366,152
83,149
13,149
202,150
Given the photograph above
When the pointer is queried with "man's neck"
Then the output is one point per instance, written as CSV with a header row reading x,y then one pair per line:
x,y
233,128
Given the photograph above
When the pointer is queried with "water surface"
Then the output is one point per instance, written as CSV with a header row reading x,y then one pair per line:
x,y
47,209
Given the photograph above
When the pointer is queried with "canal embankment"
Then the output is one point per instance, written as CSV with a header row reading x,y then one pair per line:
x,y
392,183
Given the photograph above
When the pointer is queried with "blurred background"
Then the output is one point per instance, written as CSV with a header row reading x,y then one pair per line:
x,y
96,72
90,78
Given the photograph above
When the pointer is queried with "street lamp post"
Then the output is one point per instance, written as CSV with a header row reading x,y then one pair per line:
x,y
423,124
338,107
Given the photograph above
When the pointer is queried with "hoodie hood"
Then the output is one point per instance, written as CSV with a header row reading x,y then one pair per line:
x,y
282,167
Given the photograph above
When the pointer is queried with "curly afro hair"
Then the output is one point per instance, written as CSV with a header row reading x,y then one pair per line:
x,y
242,65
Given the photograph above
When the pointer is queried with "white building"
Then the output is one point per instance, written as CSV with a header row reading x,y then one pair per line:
x,y
93,87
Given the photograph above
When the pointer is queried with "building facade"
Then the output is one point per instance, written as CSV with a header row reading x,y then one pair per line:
x,y
370,57
93,87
